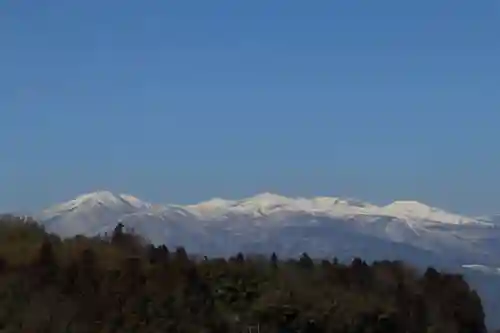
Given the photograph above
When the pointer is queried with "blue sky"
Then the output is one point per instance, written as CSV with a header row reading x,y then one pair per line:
x,y
180,101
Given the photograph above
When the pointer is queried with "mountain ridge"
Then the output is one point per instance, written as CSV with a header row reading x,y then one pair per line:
x,y
268,202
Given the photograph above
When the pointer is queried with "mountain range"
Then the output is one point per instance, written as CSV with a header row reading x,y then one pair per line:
x,y
324,227
265,223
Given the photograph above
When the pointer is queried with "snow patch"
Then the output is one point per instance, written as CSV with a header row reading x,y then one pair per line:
x,y
420,211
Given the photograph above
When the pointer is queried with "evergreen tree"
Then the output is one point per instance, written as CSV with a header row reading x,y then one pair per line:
x,y
274,260
305,261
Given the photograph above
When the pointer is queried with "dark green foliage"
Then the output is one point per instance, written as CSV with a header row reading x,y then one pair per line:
x,y
274,260
305,261
120,284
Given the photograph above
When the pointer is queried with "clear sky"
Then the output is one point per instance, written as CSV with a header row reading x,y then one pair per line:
x,y
180,101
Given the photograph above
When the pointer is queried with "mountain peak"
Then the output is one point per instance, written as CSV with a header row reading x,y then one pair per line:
x,y
102,199
101,196
417,210
268,197
133,201
409,205
210,206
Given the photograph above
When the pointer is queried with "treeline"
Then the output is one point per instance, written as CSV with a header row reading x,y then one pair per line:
x,y
119,283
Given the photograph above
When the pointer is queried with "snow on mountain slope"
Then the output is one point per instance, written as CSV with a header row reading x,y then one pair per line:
x,y
227,225
259,205
412,213
483,268
414,210
90,213
105,199
267,203
491,219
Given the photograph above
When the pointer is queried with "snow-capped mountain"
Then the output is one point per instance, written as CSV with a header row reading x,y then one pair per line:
x,y
267,222
263,205
267,203
90,213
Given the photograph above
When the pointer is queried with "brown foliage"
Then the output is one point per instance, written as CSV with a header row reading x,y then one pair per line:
x,y
120,284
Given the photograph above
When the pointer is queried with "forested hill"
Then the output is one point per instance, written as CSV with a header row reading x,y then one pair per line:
x,y
121,284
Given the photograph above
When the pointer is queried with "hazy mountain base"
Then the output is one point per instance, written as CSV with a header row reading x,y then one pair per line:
x,y
121,284
488,287
345,243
